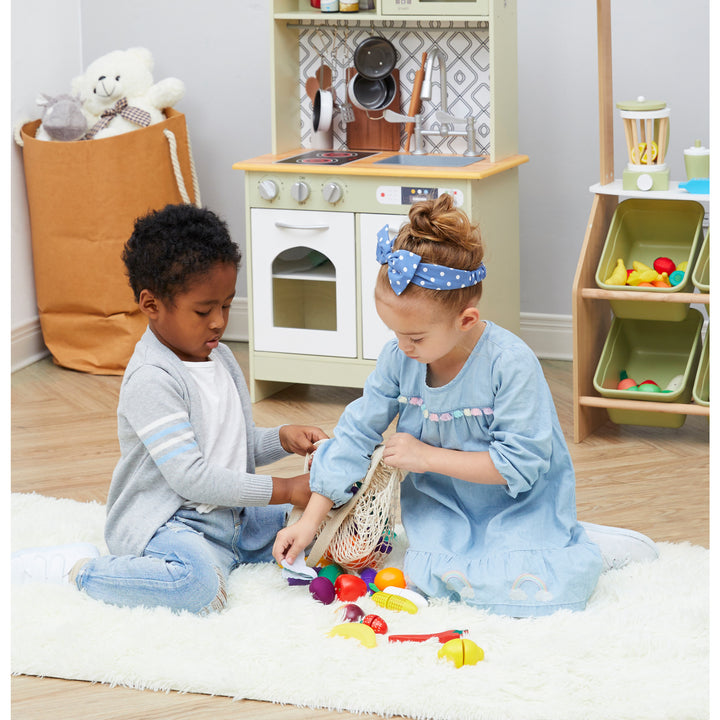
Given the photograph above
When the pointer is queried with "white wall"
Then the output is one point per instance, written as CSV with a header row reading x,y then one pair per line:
x,y
220,49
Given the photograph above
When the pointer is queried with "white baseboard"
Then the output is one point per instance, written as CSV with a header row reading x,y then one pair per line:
x,y
237,328
550,336
26,345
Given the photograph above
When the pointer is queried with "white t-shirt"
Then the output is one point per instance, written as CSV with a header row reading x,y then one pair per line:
x,y
223,417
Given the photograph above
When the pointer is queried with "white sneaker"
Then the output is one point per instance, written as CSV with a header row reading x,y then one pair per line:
x,y
49,564
620,546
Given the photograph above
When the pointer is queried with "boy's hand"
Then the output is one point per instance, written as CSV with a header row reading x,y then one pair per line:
x,y
300,439
293,490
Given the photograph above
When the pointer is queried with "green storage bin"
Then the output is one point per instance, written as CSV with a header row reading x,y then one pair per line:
x,y
643,230
701,388
701,273
650,350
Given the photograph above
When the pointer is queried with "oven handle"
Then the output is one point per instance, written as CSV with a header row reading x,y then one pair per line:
x,y
290,226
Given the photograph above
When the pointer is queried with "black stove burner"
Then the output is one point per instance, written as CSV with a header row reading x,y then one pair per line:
x,y
327,157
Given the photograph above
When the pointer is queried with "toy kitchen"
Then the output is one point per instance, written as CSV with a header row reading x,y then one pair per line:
x,y
371,112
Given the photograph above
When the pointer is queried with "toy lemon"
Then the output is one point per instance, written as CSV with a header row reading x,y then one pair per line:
x,y
461,651
639,155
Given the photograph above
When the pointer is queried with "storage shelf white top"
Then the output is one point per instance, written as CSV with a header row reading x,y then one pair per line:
x,y
674,193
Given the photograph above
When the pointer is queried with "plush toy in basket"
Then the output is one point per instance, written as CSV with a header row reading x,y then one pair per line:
x,y
360,534
116,94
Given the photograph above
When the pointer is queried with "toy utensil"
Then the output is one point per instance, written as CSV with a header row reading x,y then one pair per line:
x,y
415,101
443,637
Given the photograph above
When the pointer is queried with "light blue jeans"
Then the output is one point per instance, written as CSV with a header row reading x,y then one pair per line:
x,y
186,564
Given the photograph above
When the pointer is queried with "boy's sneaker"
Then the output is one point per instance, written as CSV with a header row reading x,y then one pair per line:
x,y
49,564
620,546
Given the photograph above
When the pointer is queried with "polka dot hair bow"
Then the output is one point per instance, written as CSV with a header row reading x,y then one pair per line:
x,y
404,267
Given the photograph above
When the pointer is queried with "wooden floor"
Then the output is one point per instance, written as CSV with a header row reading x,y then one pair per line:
x,y
64,444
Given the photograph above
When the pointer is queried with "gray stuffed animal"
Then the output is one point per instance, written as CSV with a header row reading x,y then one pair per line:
x,y
62,118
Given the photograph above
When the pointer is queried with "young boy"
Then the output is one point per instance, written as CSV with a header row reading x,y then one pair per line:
x,y
185,505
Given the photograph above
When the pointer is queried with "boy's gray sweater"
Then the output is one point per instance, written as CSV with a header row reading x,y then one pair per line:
x,y
162,435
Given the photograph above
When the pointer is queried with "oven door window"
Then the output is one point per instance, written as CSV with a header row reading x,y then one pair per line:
x,y
303,282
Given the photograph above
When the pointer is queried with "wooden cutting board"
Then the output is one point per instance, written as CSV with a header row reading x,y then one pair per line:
x,y
370,131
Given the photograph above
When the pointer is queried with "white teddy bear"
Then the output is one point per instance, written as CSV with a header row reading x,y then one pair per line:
x,y
118,93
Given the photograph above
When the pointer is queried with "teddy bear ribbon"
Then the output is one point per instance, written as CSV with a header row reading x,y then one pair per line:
x,y
121,107
404,267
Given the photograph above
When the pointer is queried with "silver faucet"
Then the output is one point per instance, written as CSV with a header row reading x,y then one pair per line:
x,y
426,89
442,115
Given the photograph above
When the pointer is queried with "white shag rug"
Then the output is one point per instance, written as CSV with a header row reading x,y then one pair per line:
x,y
640,649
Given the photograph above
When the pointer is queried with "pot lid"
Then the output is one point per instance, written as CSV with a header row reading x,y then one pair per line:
x,y
375,58
641,105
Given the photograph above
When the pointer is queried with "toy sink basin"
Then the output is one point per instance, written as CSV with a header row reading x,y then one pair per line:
x,y
430,160
643,230
650,350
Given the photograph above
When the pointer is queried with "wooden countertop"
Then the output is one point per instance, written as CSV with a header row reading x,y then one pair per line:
x,y
483,168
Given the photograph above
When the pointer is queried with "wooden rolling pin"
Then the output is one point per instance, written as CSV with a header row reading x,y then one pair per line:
x,y
414,106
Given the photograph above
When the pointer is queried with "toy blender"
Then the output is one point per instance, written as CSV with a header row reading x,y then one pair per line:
x,y
647,133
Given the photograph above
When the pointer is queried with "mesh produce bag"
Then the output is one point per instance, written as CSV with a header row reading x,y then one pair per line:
x,y
360,533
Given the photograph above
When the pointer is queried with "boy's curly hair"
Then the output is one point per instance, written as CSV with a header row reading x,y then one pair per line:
x,y
170,248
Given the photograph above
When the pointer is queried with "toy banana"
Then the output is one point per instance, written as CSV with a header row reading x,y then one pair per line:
x,y
641,267
618,275
642,276
358,631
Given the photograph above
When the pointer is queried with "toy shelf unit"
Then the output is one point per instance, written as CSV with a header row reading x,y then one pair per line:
x,y
639,331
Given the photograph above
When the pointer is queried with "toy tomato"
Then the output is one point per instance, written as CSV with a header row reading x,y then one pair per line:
x,y
664,265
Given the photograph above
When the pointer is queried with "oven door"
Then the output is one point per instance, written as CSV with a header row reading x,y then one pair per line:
x,y
303,282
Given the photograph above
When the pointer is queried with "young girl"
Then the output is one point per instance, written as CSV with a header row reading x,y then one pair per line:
x,y
489,502
186,505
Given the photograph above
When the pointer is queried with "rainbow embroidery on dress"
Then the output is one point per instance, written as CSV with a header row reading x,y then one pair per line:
x,y
542,594
444,416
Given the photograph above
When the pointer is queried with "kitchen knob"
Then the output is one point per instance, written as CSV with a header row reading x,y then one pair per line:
x,y
268,189
300,191
332,192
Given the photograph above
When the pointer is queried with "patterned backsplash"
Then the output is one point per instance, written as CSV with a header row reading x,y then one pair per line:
x,y
467,66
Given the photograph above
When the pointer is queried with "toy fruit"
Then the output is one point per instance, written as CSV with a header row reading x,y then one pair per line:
x,y
349,587
682,266
625,382
376,623
619,275
676,277
640,267
368,575
648,386
322,590
642,276
389,576
359,631
675,383
664,265
351,612
461,651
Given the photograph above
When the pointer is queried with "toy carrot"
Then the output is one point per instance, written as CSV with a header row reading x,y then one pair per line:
x,y
443,637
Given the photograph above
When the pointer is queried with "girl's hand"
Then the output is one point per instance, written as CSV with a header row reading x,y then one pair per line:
x,y
300,439
292,541
406,452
